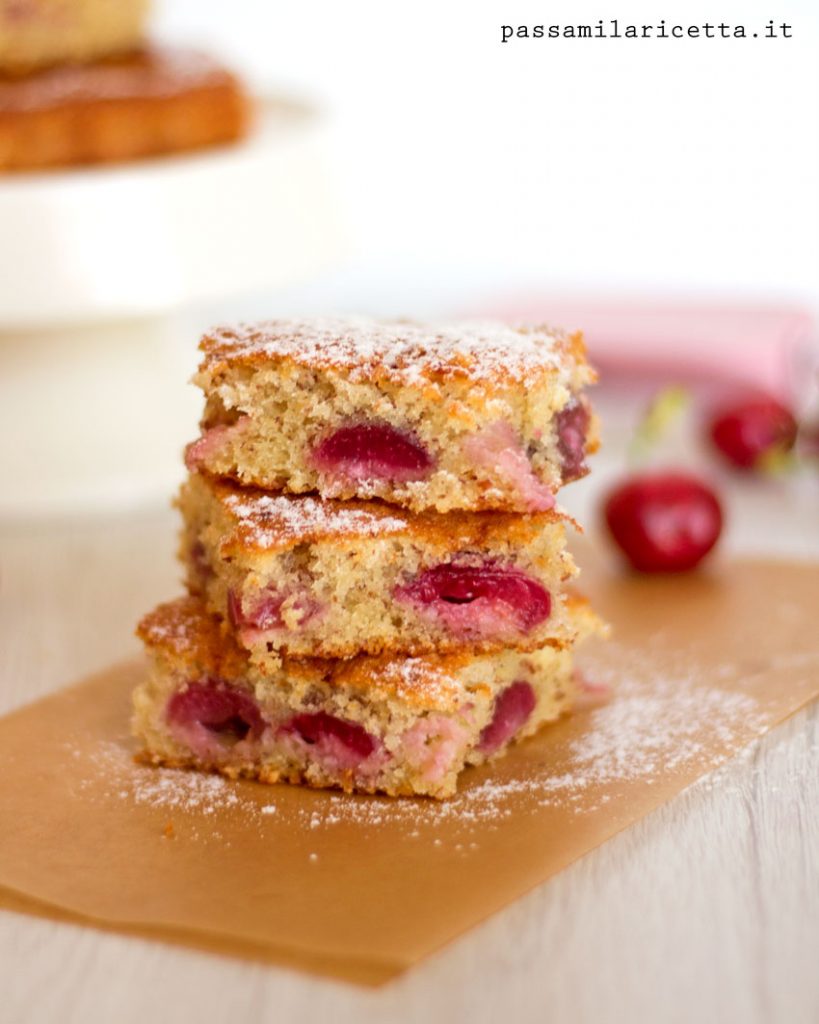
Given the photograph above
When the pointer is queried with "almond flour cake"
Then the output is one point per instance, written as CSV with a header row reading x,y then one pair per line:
x,y
306,576
401,726
438,417
150,102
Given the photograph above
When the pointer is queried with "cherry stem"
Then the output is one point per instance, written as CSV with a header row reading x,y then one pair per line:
x,y
664,411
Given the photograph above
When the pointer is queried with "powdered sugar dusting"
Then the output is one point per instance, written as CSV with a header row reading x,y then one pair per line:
x,y
641,736
270,521
167,788
412,676
195,795
401,351
178,790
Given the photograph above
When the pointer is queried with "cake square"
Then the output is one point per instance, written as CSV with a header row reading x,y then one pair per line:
x,y
303,576
430,417
401,726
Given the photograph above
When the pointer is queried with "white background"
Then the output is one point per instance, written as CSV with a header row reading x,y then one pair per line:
x,y
623,165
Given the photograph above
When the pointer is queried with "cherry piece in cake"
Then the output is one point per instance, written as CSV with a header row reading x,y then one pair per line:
x,y
513,708
210,717
572,428
479,601
345,744
372,451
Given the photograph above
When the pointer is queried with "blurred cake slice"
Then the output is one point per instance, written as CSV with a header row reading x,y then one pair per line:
x,y
429,417
401,726
304,576
150,102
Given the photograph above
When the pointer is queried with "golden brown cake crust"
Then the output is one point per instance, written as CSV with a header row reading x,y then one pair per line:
x,y
184,631
151,102
261,521
399,352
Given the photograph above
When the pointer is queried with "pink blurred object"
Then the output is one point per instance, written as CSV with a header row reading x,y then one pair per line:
x,y
715,346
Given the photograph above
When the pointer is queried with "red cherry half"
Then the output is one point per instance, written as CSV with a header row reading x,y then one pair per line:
x,y
372,451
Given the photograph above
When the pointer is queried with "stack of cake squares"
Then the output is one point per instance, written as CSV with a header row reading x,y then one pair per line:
x,y
375,562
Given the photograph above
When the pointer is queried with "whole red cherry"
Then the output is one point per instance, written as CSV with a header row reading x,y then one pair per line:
x,y
748,429
664,521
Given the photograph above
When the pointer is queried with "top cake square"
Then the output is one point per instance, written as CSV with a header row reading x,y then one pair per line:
x,y
469,416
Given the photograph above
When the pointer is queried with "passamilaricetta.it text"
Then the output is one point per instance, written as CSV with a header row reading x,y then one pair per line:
x,y
615,29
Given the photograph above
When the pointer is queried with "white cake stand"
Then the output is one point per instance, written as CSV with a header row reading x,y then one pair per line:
x,y
96,266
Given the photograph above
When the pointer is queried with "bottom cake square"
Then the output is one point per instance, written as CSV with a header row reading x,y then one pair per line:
x,y
395,725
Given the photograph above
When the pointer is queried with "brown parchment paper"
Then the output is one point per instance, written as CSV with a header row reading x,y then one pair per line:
x,y
362,887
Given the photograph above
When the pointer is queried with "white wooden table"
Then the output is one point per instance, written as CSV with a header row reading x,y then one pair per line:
x,y
706,911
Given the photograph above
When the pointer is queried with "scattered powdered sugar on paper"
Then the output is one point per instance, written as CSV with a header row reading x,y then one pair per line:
x,y
643,733
639,735
169,789
179,790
